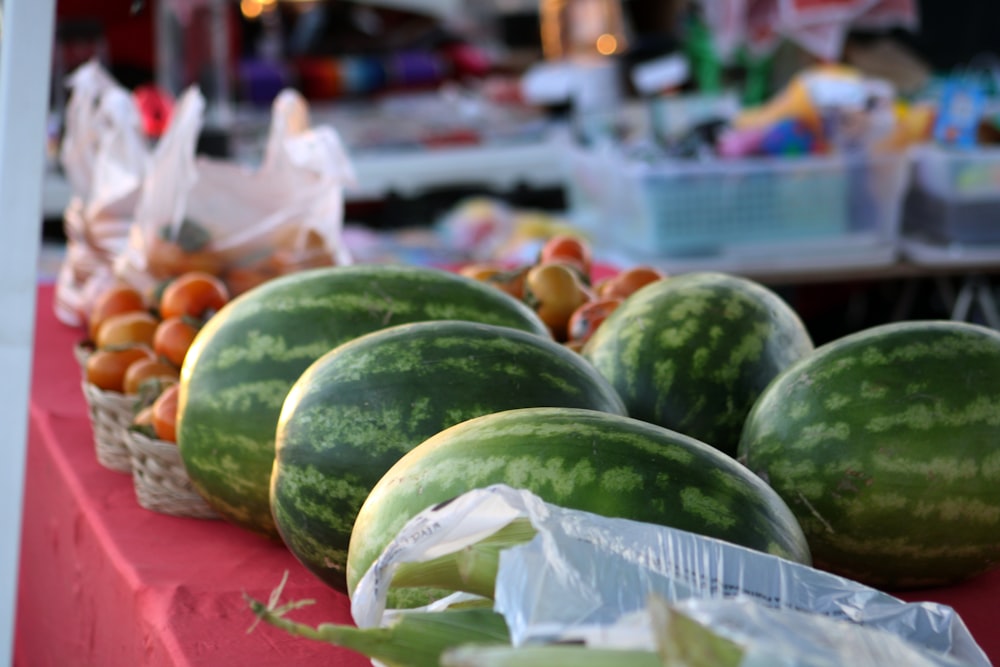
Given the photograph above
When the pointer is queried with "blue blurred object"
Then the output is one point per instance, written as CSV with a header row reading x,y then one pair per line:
x,y
788,137
959,112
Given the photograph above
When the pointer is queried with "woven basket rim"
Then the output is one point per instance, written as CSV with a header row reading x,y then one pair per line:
x,y
110,414
161,481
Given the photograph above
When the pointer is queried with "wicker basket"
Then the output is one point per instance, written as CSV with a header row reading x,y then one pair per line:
x,y
81,351
110,416
161,482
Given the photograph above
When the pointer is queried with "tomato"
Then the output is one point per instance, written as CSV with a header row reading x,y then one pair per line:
x,y
132,328
194,294
585,319
144,417
511,282
570,249
113,301
172,339
555,291
165,414
481,271
106,369
285,261
240,279
143,370
628,281
166,259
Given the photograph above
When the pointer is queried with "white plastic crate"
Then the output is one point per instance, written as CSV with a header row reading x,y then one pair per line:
x,y
685,208
955,196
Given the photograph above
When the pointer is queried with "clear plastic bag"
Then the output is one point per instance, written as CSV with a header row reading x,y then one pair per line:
x,y
103,155
588,579
244,224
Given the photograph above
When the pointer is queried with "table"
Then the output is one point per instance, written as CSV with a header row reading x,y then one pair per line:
x,y
104,582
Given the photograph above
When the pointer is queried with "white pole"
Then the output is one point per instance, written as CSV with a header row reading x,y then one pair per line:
x,y
26,32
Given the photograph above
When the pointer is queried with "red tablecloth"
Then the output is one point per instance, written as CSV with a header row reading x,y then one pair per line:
x,y
104,582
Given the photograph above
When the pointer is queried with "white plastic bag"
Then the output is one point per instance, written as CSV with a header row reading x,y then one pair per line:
x,y
103,155
243,224
587,579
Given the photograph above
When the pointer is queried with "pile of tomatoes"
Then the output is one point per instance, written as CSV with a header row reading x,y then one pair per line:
x,y
560,288
139,343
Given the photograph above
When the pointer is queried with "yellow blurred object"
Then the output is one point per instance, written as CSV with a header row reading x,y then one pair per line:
x,y
573,28
798,100
914,124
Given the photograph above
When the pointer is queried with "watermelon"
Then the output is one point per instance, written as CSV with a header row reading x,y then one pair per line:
x,y
886,445
693,352
598,462
363,405
243,362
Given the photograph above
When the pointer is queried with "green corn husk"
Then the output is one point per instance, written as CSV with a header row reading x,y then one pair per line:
x,y
413,639
680,642
550,655
470,570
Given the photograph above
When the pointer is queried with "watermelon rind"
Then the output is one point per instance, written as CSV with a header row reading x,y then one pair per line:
x,y
244,361
692,352
598,462
886,445
359,408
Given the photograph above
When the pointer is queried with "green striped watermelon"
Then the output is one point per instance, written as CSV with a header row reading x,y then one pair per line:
x,y
363,405
598,462
693,352
243,362
886,445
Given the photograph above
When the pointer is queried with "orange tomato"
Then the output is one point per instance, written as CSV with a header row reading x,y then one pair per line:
x,y
144,417
164,258
143,370
555,291
585,319
114,301
106,369
625,283
172,339
239,279
132,328
481,271
165,414
570,249
511,282
194,294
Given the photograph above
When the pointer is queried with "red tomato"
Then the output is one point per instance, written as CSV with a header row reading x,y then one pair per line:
x,y
114,301
585,319
193,294
165,414
569,249
106,369
145,369
172,339
628,281
132,328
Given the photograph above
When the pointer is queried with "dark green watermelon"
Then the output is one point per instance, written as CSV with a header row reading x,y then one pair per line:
x,y
692,352
360,407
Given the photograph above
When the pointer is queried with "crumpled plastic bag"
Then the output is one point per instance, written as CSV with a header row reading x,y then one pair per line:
x,y
103,154
586,578
243,224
